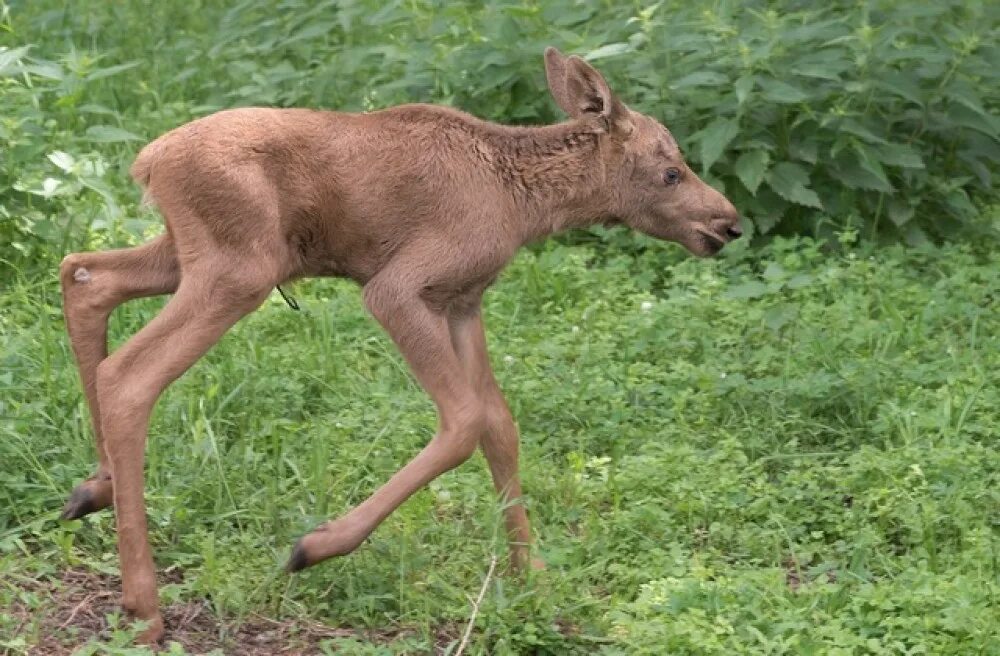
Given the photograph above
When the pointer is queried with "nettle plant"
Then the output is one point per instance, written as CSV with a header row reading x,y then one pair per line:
x,y
878,115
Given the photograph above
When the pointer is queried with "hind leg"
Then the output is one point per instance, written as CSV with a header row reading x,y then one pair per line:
x,y
212,296
94,284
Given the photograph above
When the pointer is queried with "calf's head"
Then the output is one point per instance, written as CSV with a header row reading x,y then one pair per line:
x,y
650,186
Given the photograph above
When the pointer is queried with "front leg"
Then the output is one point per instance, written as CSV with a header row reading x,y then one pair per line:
x,y
500,442
422,335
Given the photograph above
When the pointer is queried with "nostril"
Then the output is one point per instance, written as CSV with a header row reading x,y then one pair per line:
x,y
734,231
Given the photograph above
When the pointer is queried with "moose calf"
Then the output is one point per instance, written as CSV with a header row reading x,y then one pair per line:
x,y
422,206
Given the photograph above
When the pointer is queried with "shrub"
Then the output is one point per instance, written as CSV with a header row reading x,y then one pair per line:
x,y
876,114
879,116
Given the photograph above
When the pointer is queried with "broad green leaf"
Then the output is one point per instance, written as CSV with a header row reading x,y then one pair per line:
x,y
568,15
112,70
965,95
715,138
748,289
902,155
958,202
791,181
310,32
781,92
93,108
10,60
766,207
609,50
110,134
931,71
63,160
700,79
824,70
917,54
751,167
776,317
905,87
869,161
46,69
975,165
765,222
857,129
814,30
920,10
774,272
899,211
806,149
832,57
743,87
799,281
49,187
965,117
914,236
849,171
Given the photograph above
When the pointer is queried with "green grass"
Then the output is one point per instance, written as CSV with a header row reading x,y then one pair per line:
x,y
784,450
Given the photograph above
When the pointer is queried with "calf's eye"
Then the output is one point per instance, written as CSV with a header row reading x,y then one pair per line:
x,y
672,176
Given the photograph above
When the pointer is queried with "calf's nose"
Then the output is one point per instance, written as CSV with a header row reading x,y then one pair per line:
x,y
734,231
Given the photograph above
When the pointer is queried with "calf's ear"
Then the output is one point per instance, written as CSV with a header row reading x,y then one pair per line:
x,y
580,90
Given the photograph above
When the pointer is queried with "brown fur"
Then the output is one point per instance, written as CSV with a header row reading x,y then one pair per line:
x,y
421,205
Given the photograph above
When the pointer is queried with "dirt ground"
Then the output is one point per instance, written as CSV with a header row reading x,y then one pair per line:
x,y
80,601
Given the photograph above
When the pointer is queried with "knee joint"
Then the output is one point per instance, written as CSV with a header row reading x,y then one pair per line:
x,y
471,426
72,269
83,286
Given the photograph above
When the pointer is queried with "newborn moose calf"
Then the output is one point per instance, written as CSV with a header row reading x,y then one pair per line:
x,y
422,206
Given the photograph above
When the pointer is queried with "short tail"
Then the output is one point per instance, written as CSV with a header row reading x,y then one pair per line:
x,y
142,168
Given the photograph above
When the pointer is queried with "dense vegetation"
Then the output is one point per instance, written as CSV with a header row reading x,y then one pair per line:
x,y
877,115
788,449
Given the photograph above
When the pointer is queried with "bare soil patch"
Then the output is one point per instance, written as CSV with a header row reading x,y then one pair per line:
x,y
79,601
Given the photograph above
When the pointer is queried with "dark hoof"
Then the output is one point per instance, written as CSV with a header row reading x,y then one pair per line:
x,y
81,502
298,560
154,633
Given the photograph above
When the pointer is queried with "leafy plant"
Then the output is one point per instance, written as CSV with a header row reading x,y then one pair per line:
x,y
880,116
